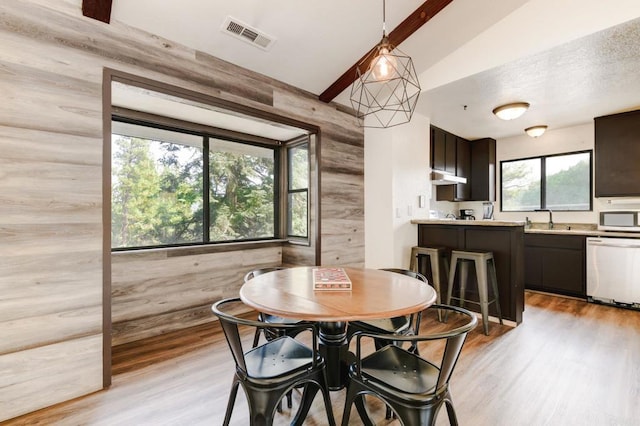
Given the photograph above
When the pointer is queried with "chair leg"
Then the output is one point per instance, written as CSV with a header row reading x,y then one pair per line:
x,y
262,406
452,277
435,274
327,402
232,401
388,413
353,397
413,264
451,412
481,275
362,411
308,394
256,338
348,401
494,283
309,391
464,273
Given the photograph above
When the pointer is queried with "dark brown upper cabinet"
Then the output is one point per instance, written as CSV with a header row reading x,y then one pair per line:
x,y
617,155
463,168
443,150
483,170
474,160
451,153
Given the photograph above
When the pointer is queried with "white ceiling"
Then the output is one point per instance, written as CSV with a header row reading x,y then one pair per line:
x,y
571,59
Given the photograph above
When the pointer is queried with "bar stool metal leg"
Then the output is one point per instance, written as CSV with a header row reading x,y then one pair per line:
x,y
452,276
494,284
484,264
481,275
436,256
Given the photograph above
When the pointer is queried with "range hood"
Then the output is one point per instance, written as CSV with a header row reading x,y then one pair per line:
x,y
444,178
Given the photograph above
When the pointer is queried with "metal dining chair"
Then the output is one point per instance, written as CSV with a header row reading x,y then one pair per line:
x,y
269,333
402,325
414,386
272,333
269,371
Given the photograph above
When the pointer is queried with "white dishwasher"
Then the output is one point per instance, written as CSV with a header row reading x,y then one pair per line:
x,y
613,271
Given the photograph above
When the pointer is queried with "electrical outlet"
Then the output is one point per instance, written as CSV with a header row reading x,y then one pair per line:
x,y
398,215
409,210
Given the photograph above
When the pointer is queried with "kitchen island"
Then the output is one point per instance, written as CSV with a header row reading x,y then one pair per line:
x,y
504,238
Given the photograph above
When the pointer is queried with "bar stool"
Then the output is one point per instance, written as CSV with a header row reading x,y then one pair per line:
x,y
483,275
436,255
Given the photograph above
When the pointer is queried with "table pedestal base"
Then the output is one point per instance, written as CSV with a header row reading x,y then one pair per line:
x,y
334,349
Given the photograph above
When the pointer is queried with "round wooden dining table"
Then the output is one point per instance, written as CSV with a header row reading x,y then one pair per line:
x,y
374,294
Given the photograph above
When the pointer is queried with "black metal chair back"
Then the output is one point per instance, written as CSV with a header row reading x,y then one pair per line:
x,y
260,271
413,386
408,324
270,371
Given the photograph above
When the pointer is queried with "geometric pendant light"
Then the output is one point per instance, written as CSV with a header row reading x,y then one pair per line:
x,y
387,90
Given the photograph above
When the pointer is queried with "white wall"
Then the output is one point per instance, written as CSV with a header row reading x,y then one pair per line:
x,y
396,174
576,138
378,197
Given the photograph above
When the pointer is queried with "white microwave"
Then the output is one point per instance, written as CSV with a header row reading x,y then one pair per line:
x,y
619,220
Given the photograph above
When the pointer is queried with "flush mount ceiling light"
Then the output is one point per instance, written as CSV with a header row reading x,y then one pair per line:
x,y
386,86
511,111
535,131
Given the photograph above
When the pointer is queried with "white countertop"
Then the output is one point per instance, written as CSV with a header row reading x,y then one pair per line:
x,y
585,232
560,229
484,222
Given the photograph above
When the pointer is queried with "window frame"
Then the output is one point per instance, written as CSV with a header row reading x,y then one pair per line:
x,y
207,132
543,180
304,141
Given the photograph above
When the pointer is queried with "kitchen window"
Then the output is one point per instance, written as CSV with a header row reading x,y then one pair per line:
x,y
560,182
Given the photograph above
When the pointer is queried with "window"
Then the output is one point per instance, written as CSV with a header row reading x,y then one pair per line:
x,y
557,182
298,190
160,196
156,181
242,199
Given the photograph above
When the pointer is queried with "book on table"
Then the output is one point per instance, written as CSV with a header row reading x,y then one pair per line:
x,y
331,279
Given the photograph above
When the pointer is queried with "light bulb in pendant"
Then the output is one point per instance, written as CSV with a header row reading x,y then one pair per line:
x,y
384,65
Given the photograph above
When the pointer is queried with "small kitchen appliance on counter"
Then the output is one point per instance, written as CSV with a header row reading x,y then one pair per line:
x,y
487,210
467,214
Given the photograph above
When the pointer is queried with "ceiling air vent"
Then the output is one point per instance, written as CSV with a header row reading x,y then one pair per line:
x,y
242,31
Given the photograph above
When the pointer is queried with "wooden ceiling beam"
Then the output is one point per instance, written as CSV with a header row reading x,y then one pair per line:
x,y
418,18
97,9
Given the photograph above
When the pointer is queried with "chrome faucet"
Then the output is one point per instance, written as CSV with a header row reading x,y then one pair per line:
x,y
550,216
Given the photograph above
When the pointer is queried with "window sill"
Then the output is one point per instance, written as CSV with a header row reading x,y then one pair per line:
x,y
203,249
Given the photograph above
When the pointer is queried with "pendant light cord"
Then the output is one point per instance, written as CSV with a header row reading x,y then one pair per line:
x,y
384,19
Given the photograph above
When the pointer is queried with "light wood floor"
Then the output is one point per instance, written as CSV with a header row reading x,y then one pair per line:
x,y
568,363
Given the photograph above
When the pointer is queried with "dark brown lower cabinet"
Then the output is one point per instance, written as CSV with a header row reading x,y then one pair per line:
x,y
555,263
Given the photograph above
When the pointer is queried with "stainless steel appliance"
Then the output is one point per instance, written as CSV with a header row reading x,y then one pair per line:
x,y
613,268
487,210
619,220
467,214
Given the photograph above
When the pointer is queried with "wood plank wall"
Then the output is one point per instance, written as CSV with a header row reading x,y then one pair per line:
x,y
51,278
156,291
